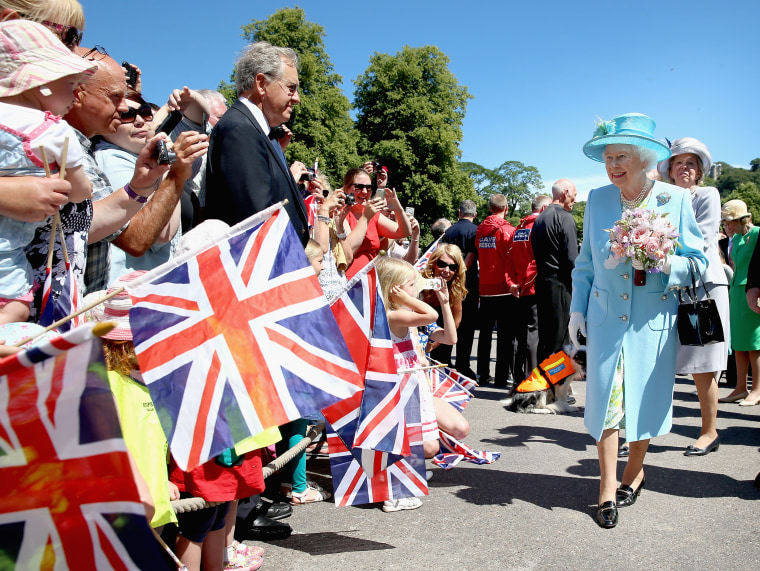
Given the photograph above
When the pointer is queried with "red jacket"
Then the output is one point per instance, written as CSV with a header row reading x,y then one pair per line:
x,y
521,264
493,239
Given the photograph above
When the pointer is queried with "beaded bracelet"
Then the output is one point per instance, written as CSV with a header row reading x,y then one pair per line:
x,y
133,195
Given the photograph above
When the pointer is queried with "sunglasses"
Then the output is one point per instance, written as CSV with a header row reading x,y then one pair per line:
x,y
99,49
362,186
144,111
452,267
70,36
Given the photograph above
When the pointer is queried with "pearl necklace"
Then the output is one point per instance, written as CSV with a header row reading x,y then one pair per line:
x,y
631,204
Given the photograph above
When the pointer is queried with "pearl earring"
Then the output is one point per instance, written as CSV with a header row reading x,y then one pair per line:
x,y
45,91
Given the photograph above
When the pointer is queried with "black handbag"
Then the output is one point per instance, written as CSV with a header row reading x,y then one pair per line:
x,y
698,320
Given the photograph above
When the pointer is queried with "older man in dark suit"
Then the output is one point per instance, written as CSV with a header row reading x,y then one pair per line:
x,y
246,172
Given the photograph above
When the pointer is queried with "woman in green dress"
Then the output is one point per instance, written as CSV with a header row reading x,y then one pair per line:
x,y
745,324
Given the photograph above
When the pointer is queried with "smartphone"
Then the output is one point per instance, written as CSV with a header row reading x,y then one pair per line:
x,y
204,124
409,211
170,122
431,283
379,193
131,73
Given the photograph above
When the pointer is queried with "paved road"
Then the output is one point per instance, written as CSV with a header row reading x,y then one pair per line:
x,y
534,508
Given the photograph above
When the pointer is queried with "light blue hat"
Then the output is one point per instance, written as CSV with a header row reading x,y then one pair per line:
x,y
629,129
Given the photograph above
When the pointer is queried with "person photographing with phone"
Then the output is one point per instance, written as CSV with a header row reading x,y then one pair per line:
x,y
367,228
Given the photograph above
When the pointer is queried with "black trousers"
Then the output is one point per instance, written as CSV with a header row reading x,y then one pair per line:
x,y
497,310
466,333
526,329
553,299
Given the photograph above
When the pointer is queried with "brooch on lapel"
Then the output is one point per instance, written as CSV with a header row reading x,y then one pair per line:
x,y
663,198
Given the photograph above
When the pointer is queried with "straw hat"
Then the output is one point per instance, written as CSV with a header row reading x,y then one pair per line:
x,y
31,56
681,147
117,308
733,210
628,129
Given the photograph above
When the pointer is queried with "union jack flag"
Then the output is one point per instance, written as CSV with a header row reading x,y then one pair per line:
x,y
238,338
68,500
420,264
466,383
455,451
59,300
391,477
447,389
375,419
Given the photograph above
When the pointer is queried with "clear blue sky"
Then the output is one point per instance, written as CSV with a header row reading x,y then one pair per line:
x,y
540,71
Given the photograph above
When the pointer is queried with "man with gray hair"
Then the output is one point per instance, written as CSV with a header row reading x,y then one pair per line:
x,y
246,172
439,227
462,233
555,246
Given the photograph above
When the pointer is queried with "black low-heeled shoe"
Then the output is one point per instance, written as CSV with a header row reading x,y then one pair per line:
x,y
627,496
694,451
607,515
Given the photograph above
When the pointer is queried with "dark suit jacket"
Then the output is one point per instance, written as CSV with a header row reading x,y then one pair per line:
x,y
245,176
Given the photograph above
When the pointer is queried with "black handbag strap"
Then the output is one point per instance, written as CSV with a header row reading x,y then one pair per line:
x,y
694,267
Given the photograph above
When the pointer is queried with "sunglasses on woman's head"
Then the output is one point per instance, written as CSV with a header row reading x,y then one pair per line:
x,y
144,111
70,36
441,264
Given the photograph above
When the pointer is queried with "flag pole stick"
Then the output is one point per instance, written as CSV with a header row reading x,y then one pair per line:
x,y
68,318
420,368
56,217
177,562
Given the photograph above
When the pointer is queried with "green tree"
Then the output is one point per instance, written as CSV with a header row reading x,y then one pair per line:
x,y
754,165
579,208
321,123
517,182
410,109
732,178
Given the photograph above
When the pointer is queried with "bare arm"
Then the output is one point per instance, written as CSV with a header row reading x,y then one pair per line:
x,y
388,228
414,244
447,335
356,237
32,198
81,187
113,212
151,222
417,313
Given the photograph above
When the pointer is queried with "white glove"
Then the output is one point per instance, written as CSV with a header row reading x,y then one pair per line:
x,y
577,323
666,265
637,265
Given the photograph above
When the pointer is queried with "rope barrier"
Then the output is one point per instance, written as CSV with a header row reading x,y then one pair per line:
x,y
194,504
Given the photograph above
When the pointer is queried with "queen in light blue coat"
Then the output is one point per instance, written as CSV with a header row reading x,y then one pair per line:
x,y
630,330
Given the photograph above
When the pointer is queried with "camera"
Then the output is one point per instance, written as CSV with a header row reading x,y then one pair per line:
x,y
308,176
130,72
163,155
431,283
277,132
377,167
350,200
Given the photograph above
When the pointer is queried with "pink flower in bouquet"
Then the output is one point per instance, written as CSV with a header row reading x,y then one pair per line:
x,y
640,235
651,246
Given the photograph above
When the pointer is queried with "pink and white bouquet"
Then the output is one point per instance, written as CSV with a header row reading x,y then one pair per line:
x,y
644,236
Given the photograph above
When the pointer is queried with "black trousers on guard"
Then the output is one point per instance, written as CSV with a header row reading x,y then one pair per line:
x,y
553,299
497,310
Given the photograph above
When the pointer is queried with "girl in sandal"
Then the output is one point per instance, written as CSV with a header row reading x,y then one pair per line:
x,y
405,313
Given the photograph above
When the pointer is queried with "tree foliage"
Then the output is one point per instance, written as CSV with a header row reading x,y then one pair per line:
x,y
732,177
410,109
321,123
519,183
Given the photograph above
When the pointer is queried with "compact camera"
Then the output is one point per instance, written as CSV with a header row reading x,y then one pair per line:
x,y
350,200
163,155
376,166
308,176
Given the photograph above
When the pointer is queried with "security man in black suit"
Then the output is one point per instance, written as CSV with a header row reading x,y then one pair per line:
x,y
246,171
